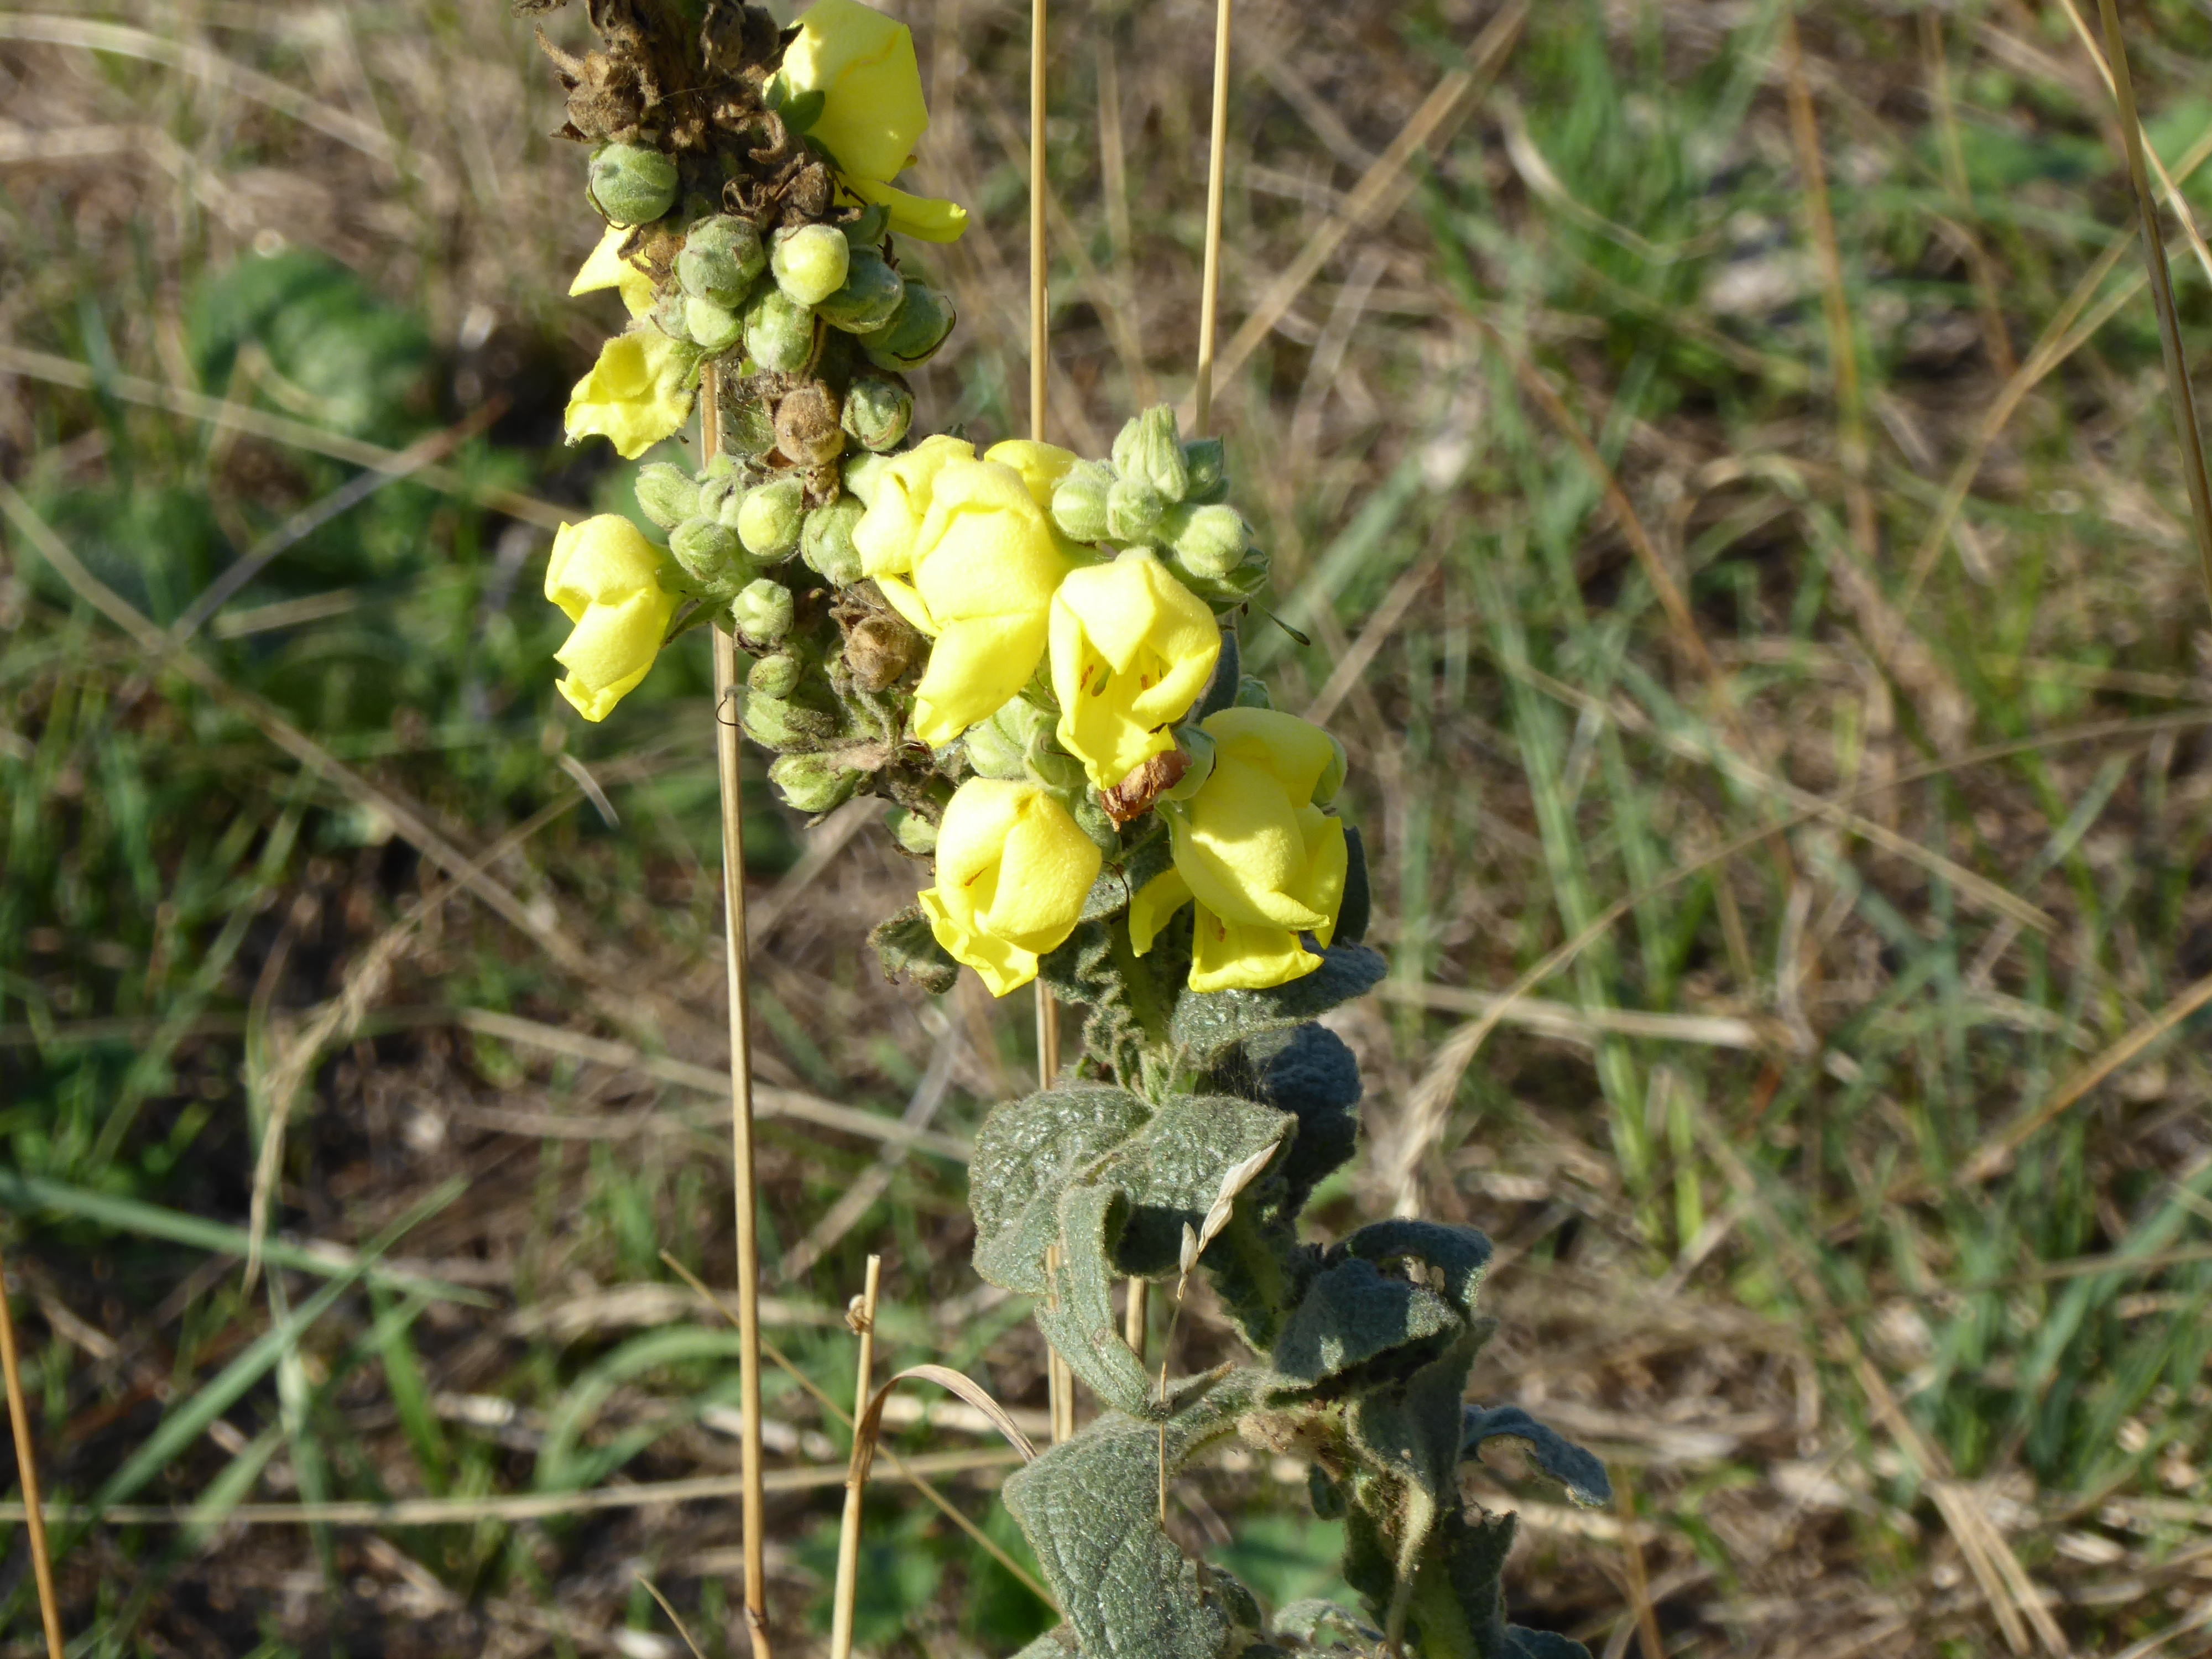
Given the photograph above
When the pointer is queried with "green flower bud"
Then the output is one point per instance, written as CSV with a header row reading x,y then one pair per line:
x,y
1149,448
1001,746
814,783
1194,743
810,262
1208,541
779,331
763,612
631,185
878,412
1057,770
712,327
668,316
869,297
1253,694
665,495
911,831
867,230
1133,510
861,473
826,542
910,339
1079,503
775,723
773,677
708,550
1207,464
722,258
1331,779
769,516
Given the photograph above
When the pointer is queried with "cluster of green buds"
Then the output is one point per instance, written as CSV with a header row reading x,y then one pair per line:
x,y
1160,492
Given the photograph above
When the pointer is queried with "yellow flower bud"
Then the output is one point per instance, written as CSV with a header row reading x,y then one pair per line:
x,y
873,111
1261,863
1041,466
1132,649
961,549
606,268
605,575
1012,872
635,395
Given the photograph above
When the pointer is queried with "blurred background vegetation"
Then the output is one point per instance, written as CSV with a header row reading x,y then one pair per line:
x,y
1852,1178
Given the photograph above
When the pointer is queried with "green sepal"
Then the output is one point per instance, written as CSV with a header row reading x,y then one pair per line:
x,y
905,945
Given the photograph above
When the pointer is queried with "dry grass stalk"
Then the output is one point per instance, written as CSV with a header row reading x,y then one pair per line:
x,y
2161,292
26,1467
741,1086
862,1318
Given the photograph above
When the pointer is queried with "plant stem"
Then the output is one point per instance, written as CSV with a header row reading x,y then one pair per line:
x,y
2161,292
741,1077
1216,168
27,1468
863,1320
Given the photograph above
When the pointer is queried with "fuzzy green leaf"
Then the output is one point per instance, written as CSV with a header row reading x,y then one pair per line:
x,y
1206,1023
1578,1470
1521,1643
1461,1254
1172,1170
1310,1621
1354,911
1026,1153
904,945
1077,1315
1354,1313
1088,1507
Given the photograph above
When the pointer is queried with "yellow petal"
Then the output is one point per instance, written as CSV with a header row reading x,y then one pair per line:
x,y
1013,869
1157,901
635,395
1131,649
606,268
1329,860
1045,874
602,560
1003,967
1041,466
1228,957
924,218
1240,846
610,650
863,64
1296,752
900,594
976,668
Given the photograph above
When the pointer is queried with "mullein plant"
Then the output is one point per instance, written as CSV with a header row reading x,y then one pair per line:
x,y
1031,657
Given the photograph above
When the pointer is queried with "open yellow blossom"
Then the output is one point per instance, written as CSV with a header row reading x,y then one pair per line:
x,y
873,113
1012,871
606,268
1261,862
635,395
1132,649
605,575
962,550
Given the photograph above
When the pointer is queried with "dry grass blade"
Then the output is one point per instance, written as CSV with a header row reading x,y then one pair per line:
x,y
2161,292
906,1471
862,1318
674,1618
27,1468
1209,281
871,1421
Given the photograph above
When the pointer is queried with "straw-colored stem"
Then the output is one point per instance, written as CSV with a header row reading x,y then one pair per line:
x,y
26,1467
863,1321
1216,164
753,1506
2162,294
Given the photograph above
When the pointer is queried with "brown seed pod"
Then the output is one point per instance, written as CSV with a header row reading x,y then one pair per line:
x,y
1131,799
807,428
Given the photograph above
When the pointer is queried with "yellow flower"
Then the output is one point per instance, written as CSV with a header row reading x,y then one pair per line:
x,y
1132,649
1012,871
634,394
1261,861
606,268
605,576
863,64
1041,466
961,549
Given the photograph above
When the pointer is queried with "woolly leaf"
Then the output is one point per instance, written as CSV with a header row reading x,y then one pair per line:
x,y
1309,1621
1309,1072
1089,1508
1354,1313
1579,1471
1026,1153
1521,1643
1172,1170
904,945
1206,1023
1228,674
1076,1316
1353,910
1461,1254
1058,1643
